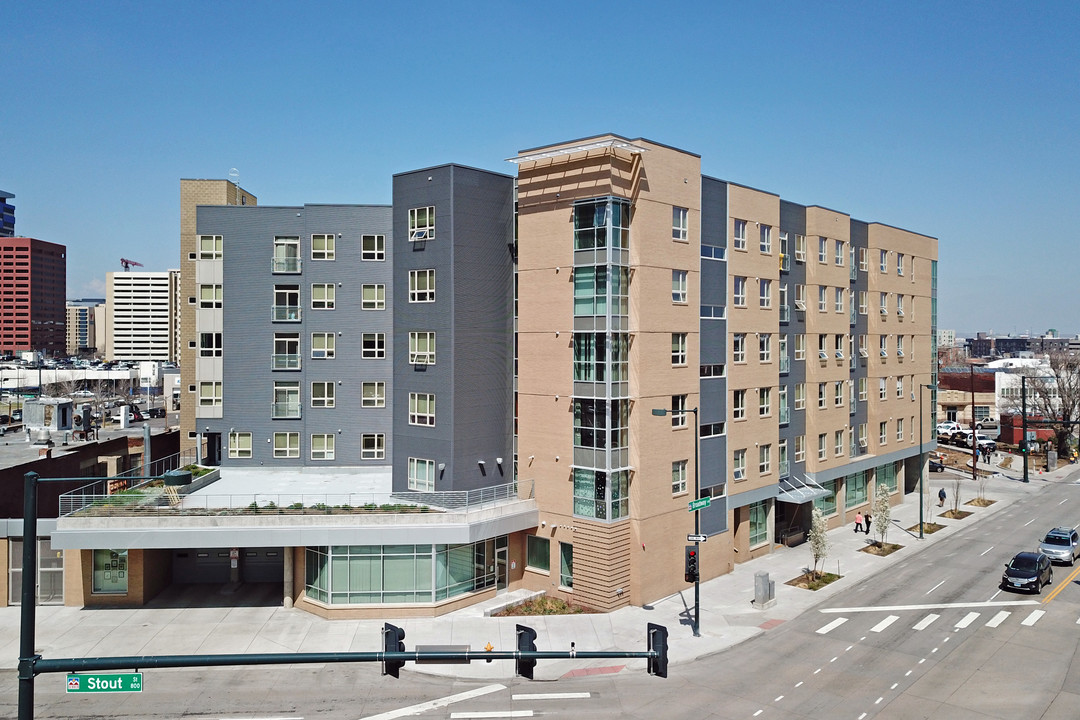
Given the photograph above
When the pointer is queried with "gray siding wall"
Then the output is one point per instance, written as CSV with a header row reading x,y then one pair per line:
x,y
248,330
472,317
713,339
793,221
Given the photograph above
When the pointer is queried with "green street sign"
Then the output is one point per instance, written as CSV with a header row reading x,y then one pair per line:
x,y
97,683
700,503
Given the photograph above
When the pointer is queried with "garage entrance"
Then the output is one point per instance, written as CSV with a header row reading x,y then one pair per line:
x,y
214,565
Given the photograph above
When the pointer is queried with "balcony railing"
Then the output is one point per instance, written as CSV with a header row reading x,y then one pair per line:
x,y
285,265
785,468
785,415
286,313
785,313
285,362
281,410
785,363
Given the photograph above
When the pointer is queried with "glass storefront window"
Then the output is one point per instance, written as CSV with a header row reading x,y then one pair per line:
x,y
110,572
538,552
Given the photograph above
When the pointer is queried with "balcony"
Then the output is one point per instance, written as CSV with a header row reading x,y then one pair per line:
x,y
285,265
285,410
285,362
286,313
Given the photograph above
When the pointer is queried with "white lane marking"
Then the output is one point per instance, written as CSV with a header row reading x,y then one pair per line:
x,y
922,661
925,622
908,673
995,594
1063,501
1077,525
931,606
933,651
552,696
493,714
945,640
998,619
300,717
819,669
834,659
894,686
885,623
831,626
862,716
1028,522
1033,617
757,713
798,683
986,551
1078,621
848,648
878,701
967,620
935,587
438,703
779,698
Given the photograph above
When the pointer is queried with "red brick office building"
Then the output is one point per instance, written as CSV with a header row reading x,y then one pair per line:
x,y
33,283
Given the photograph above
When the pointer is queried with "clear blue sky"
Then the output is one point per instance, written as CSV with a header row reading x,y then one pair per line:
x,y
953,119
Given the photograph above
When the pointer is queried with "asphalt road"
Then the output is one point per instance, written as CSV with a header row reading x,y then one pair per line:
x,y
932,637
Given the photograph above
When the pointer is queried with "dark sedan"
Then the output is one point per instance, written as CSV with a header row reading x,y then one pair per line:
x,y
1028,571
936,466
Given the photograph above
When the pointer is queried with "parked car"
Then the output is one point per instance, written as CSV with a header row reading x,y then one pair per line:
x,y
949,427
156,412
1061,544
936,466
5,419
985,443
16,416
82,393
1028,571
986,424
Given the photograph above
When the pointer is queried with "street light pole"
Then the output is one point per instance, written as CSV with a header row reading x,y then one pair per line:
x,y
1023,423
974,439
922,464
697,518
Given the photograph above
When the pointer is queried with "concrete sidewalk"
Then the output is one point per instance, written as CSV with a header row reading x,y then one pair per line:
x,y
728,614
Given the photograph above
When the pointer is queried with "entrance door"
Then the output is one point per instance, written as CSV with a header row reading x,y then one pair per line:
x,y
500,569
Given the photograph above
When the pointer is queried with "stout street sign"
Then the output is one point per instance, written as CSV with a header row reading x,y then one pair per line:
x,y
111,682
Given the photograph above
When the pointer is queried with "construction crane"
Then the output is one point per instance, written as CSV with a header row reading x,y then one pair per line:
x,y
128,263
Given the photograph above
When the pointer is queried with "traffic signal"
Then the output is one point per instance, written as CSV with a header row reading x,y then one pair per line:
x,y
656,635
1023,447
691,570
393,641
526,642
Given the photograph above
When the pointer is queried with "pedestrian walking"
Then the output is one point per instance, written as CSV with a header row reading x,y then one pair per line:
x,y
869,517
941,497
858,522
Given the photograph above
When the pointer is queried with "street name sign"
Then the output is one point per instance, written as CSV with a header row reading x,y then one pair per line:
x,y
110,682
700,503
696,538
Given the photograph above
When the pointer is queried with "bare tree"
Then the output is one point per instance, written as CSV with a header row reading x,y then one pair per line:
x,y
956,493
1053,395
818,537
882,512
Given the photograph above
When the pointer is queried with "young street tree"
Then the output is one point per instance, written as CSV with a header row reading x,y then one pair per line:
x,y
882,511
819,540
1053,394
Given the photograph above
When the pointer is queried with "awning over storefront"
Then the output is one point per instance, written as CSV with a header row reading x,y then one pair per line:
x,y
796,491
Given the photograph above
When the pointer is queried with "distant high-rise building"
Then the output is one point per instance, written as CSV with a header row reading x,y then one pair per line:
x,y
33,281
7,215
83,319
139,320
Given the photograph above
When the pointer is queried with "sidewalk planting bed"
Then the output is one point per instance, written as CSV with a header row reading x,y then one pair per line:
x,y
808,581
881,549
545,606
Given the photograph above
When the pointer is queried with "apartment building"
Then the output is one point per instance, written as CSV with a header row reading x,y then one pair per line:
x,y
85,325
672,330
33,283
139,319
7,215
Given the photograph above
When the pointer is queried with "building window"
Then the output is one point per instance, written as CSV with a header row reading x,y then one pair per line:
x,y
822,298
764,402
421,348
765,294
855,489
323,247
900,346
738,464
862,302
110,572
323,345
800,248
899,429
822,447
800,448
838,300
322,394
373,346
210,394
422,223
800,396
800,347
738,405
286,303
838,393
286,255
800,297
739,235
537,553
239,444
899,386
286,400
600,223
821,396
823,250
678,349
738,348
678,411
323,296
678,477
210,247
827,504
680,224
373,297
759,523
862,389
738,291
421,475
838,443
286,444
422,409
838,347
883,433
883,345
566,565
838,257
862,260
373,394
372,247
899,305
372,446
709,430
765,347
322,446
210,296
210,345
862,435
286,351
884,265
765,244
900,264
421,286
764,459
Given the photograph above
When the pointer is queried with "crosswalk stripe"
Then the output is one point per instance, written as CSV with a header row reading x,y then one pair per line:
x,y
831,626
967,620
925,622
885,623
998,619
1033,617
